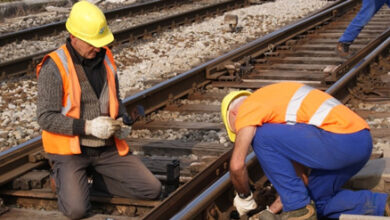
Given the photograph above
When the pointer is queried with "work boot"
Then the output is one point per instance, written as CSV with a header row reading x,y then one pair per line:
x,y
265,215
306,213
387,206
343,49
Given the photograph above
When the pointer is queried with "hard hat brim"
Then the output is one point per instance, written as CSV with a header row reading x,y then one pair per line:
x,y
104,41
225,113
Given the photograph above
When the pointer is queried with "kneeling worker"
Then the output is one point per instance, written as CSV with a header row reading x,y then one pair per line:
x,y
82,118
290,123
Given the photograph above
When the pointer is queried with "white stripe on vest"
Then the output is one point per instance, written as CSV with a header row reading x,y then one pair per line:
x,y
296,101
109,64
323,111
61,54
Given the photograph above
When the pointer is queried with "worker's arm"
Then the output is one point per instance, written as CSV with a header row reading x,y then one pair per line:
x,y
244,200
49,103
238,171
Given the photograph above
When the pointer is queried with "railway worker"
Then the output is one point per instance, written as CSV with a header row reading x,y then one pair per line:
x,y
290,123
82,118
367,11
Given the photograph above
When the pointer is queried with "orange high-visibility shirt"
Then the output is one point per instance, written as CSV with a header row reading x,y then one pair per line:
x,y
292,102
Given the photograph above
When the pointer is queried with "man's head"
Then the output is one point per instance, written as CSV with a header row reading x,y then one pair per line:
x,y
229,110
88,28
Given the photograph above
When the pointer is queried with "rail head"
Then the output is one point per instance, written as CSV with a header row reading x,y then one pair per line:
x,y
349,79
339,89
270,41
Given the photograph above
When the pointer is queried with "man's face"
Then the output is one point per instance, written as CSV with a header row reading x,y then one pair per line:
x,y
233,111
83,48
232,119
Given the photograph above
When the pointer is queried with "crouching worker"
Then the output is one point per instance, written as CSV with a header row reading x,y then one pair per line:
x,y
290,124
82,118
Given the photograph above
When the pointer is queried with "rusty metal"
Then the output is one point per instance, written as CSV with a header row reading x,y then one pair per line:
x,y
153,99
267,43
358,57
188,191
57,27
202,201
27,64
349,79
15,161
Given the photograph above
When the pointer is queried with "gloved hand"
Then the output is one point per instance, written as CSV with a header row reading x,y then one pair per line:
x,y
243,206
101,127
124,130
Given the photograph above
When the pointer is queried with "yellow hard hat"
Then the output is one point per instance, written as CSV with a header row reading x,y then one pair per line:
x,y
88,23
225,107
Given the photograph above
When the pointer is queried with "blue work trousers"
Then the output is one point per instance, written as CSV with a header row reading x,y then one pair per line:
x,y
367,11
333,159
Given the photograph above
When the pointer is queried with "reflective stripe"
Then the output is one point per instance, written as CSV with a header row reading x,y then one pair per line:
x,y
65,109
323,111
108,61
295,104
61,54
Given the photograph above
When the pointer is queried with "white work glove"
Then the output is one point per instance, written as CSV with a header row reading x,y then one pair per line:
x,y
124,130
102,127
243,206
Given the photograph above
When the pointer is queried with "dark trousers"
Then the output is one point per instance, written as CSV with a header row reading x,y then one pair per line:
x,y
124,176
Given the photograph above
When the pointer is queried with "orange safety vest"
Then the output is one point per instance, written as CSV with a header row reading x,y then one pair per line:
x,y
291,102
66,144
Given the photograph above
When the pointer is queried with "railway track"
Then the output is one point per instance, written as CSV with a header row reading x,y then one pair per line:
x,y
27,63
205,190
148,61
39,32
364,88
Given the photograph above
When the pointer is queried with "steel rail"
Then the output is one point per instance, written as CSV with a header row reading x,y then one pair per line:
x,y
56,27
13,159
20,159
27,64
358,57
338,90
157,96
153,99
264,44
349,79
177,20
216,189
205,198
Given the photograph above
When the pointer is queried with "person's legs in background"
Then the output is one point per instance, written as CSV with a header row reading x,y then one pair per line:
x,y
367,10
